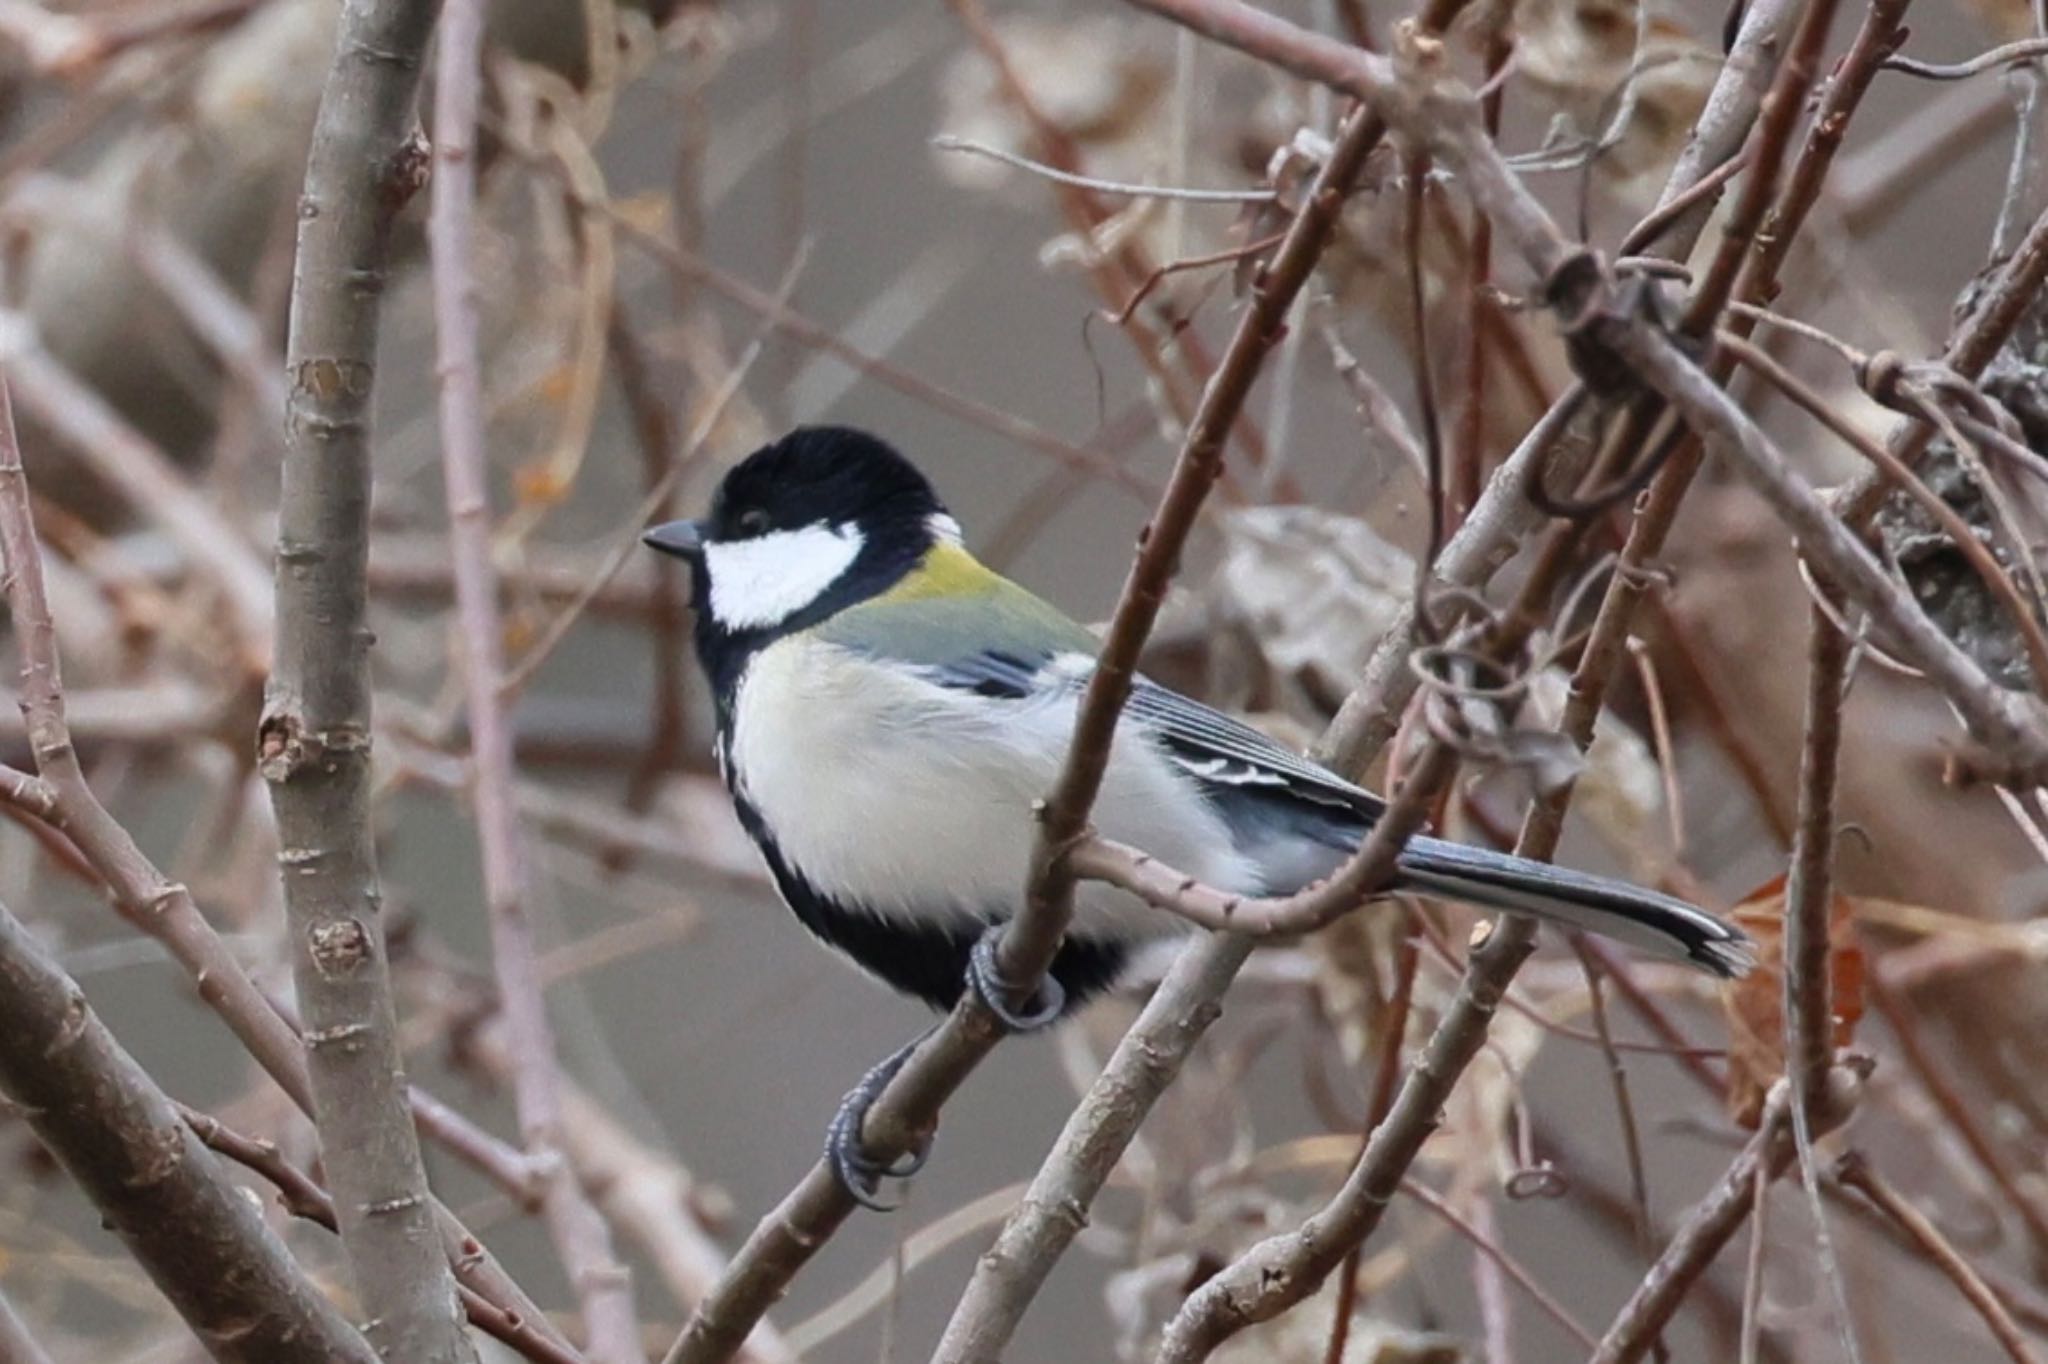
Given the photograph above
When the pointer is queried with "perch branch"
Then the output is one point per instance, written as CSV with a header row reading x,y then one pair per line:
x,y
785,1240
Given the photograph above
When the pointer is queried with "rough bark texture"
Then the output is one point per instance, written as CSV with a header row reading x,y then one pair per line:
x,y
1943,582
200,1240
314,744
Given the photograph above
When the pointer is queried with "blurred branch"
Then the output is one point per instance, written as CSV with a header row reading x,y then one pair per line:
x,y
644,1191
1718,1217
17,1345
581,1236
147,480
1852,1170
314,742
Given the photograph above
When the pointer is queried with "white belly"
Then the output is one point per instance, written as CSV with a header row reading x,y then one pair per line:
x,y
915,801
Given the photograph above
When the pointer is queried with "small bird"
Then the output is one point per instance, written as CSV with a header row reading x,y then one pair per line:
x,y
890,711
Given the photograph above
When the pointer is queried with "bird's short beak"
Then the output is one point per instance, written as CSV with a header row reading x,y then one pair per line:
x,y
684,539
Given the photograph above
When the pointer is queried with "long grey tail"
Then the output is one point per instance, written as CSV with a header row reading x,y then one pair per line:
x,y
1656,923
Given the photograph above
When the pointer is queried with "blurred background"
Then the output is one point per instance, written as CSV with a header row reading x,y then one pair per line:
x,y
705,222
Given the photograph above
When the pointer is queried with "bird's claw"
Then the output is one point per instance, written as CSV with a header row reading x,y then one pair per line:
x,y
986,980
858,1173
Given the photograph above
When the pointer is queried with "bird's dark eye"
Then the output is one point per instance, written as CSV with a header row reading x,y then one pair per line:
x,y
753,521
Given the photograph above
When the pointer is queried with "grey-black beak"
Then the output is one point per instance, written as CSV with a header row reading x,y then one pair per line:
x,y
684,539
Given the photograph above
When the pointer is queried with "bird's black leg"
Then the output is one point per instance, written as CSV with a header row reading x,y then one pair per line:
x,y
986,980
858,1174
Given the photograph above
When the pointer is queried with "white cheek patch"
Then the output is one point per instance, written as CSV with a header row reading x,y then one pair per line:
x,y
764,581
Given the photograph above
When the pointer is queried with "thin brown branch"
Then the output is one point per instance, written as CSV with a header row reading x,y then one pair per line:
x,y
1854,1171
1054,1209
1881,457
581,1236
314,744
303,1196
1716,1219
1093,858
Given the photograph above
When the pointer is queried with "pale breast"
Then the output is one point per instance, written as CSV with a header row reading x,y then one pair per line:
x,y
914,800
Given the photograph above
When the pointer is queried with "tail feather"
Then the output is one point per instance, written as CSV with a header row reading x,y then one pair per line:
x,y
1656,923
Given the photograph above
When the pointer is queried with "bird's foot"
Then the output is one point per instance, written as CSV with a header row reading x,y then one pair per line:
x,y
985,978
858,1173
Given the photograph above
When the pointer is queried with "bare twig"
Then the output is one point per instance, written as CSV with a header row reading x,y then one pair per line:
x,y
303,1196
1055,1208
1854,1171
946,142
581,1236
1716,1219
2026,49
1808,1005
315,737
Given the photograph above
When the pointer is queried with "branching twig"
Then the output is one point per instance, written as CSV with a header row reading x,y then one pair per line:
x,y
303,1196
107,1123
1055,1208
1717,1218
1851,1169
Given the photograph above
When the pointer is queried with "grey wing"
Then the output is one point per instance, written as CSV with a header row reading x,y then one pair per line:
x,y
1221,753
1225,752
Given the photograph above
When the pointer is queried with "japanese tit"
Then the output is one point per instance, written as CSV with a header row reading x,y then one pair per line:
x,y
889,711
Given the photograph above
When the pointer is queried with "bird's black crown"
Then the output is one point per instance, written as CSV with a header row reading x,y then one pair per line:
x,y
821,474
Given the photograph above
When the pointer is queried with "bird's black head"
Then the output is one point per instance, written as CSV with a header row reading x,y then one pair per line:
x,y
822,519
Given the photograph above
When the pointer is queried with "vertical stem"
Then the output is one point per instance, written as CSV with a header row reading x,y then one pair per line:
x,y
314,743
582,1238
1809,1014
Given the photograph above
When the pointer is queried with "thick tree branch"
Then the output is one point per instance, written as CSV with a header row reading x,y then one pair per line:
x,y
201,1242
314,744
59,796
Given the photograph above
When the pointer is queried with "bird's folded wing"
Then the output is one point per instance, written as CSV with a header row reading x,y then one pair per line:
x,y
1209,745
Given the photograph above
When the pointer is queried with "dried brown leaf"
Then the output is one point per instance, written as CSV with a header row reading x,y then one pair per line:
x,y
1754,1005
